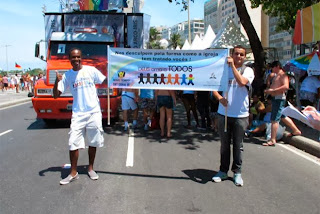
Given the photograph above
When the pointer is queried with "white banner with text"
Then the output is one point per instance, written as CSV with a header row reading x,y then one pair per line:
x,y
198,70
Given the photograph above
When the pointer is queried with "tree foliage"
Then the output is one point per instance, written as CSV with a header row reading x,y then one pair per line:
x,y
154,37
154,34
285,10
183,2
175,40
32,72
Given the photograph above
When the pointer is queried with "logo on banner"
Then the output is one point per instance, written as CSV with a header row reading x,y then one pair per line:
x,y
121,74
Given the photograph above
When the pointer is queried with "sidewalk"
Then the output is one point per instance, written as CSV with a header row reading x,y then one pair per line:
x,y
10,97
308,141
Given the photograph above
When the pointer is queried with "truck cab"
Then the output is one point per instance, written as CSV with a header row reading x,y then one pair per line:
x,y
94,53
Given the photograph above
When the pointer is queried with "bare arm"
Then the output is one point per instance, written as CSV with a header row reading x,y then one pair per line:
x,y
241,80
136,95
269,79
284,86
220,98
56,92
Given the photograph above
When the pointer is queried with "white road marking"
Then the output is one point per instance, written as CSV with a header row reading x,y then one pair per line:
x,y
299,153
15,105
6,132
130,151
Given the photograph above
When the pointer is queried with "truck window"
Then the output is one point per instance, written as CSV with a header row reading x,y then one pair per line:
x,y
61,49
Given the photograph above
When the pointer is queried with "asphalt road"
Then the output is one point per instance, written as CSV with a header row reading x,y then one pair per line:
x,y
165,176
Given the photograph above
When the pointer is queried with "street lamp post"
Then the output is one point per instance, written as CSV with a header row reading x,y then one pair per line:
x,y
6,46
7,56
189,29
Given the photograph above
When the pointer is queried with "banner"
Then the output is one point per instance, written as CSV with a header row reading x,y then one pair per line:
x,y
307,25
100,5
134,31
199,70
102,23
146,29
52,24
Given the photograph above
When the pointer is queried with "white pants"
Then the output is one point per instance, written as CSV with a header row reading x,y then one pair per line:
x,y
89,124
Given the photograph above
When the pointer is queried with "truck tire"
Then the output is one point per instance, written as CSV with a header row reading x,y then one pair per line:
x,y
50,122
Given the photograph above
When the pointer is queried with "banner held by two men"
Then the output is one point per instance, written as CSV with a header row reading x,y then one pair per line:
x,y
199,70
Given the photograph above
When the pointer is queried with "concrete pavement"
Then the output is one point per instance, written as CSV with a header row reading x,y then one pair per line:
x,y
308,141
10,97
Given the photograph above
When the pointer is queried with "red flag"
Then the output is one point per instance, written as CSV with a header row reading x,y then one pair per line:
x,y
18,66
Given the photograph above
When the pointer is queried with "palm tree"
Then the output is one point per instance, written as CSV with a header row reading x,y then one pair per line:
x,y
154,34
154,37
175,40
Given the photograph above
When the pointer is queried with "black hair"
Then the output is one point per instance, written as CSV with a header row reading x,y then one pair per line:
x,y
276,64
73,49
240,47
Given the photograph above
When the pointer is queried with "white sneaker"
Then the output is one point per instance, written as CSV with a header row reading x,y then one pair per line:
x,y
220,176
69,179
238,181
93,175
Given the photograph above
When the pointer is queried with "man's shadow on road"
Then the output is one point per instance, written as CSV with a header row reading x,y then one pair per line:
x,y
201,176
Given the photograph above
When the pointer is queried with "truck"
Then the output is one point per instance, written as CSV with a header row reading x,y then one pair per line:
x,y
91,32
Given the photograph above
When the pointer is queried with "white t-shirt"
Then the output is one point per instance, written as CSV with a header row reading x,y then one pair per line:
x,y
83,89
310,84
238,99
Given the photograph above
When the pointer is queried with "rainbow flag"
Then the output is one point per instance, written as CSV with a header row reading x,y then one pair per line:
x,y
99,5
96,5
18,66
307,26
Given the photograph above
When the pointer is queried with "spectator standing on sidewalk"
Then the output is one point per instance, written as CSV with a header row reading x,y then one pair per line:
x,y
16,82
237,103
86,112
5,82
279,85
1,82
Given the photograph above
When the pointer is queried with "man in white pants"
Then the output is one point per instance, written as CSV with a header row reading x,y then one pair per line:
x,y
86,111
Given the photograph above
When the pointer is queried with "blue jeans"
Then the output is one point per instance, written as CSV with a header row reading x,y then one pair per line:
x,y
235,132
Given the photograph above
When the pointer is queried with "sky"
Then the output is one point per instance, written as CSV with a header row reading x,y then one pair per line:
x,y
22,26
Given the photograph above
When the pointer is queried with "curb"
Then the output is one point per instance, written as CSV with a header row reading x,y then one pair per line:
x,y
310,146
11,103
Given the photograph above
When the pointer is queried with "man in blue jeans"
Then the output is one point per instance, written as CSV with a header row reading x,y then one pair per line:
x,y
236,104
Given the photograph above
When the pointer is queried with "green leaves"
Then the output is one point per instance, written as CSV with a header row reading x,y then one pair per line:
x,y
285,10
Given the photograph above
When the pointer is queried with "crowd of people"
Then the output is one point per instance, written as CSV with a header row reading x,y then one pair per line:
x,y
18,82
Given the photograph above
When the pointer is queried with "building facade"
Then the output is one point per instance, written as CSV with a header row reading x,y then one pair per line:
x,y
217,11
196,26
281,41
